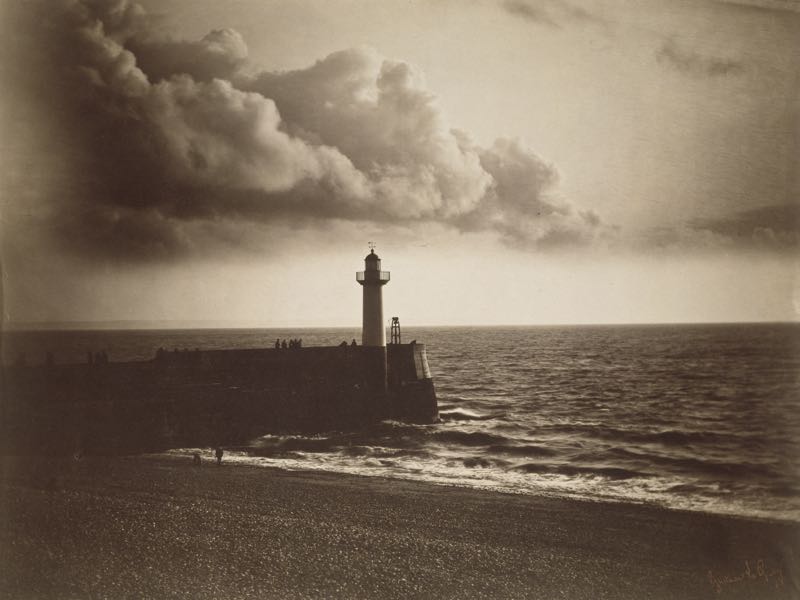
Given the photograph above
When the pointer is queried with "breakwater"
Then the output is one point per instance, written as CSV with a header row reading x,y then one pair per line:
x,y
207,397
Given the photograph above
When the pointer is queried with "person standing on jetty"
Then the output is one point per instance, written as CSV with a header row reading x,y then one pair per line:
x,y
219,454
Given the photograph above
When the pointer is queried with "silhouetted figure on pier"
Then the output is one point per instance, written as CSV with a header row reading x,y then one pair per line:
x,y
219,454
196,459
283,344
353,343
277,343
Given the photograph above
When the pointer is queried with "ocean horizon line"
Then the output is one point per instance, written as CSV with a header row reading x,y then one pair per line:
x,y
181,325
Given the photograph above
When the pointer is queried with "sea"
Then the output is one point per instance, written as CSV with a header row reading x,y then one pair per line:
x,y
697,417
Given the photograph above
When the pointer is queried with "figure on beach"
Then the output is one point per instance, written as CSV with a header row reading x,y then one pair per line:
x,y
219,454
196,459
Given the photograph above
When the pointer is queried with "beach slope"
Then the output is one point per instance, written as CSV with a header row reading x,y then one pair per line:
x,y
161,528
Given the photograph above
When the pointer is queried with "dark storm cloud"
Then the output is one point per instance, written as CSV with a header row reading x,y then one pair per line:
x,y
176,145
694,63
552,13
529,11
776,226
784,6
774,229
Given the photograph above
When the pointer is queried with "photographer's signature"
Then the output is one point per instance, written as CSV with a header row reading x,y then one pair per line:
x,y
759,572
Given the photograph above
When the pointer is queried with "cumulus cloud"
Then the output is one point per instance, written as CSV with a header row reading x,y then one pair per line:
x,y
219,54
180,143
521,203
381,116
694,63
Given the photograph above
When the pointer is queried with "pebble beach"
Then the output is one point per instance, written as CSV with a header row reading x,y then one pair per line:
x,y
158,527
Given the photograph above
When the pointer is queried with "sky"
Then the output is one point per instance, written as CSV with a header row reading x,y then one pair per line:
x,y
515,162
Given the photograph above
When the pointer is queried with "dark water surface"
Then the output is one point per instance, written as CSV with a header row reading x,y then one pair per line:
x,y
704,417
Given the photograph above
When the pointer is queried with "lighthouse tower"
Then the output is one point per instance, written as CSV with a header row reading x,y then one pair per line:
x,y
372,279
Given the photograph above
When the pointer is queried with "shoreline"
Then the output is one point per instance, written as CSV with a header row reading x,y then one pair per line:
x,y
648,504
158,527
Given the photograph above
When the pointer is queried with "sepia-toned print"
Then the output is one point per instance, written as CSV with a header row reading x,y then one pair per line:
x,y
400,299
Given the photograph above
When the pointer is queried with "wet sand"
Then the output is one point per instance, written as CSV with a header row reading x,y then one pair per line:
x,y
146,527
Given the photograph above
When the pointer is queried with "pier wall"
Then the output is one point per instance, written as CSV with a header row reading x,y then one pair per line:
x,y
194,398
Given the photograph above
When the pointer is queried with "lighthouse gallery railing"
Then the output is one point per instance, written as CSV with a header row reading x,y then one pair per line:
x,y
372,276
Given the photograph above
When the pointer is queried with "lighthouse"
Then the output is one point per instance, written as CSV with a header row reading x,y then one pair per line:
x,y
372,280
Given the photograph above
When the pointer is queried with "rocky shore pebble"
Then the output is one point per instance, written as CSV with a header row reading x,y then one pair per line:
x,y
159,527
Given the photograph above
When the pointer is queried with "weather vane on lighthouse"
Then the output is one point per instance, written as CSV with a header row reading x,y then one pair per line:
x,y
371,246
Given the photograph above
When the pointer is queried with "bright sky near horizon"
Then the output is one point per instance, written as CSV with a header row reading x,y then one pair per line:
x,y
516,162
